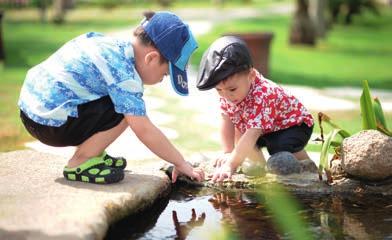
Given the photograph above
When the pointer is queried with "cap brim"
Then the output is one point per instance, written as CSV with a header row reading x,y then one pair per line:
x,y
179,80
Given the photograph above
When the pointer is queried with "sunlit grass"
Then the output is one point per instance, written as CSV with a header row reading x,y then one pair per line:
x,y
346,57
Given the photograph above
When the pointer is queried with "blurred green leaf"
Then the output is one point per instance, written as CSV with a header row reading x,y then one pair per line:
x,y
284,209
367,111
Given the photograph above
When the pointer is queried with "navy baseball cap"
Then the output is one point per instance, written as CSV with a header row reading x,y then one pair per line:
x,y
175,42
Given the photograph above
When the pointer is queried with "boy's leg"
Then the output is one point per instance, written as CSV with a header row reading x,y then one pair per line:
x,y
301,155
96,126
293,140
96,144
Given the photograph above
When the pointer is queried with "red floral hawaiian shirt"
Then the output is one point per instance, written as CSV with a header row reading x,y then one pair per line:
x,y
268,107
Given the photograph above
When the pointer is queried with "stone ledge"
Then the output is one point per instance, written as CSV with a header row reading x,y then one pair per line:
x,y
36,202
302,183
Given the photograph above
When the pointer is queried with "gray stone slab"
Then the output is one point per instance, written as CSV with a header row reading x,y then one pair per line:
x,y
36,202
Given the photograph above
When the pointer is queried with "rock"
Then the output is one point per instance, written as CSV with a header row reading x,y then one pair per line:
x,y
368,155
307,165
283,163
304,183
337,169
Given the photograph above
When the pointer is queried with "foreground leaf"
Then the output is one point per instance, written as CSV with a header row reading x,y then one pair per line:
x,y
367,111
379,113
285,211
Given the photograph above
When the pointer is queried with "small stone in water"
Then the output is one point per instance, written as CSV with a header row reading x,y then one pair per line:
x,y
283,163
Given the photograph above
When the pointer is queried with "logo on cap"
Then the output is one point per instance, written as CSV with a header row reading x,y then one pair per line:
x,y
181,81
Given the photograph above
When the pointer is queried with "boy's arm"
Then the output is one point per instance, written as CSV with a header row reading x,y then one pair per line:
x,y
227,134
244,146
227,139
158,143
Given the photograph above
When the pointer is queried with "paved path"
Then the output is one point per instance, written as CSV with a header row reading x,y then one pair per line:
x,y
37,203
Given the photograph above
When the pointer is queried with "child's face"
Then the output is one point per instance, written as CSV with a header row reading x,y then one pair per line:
x,y
155,73
236,87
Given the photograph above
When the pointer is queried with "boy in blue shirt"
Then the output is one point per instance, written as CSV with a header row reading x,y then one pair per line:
x,y
90,90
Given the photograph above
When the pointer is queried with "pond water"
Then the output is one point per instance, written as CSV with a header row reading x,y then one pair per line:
x,y
204,213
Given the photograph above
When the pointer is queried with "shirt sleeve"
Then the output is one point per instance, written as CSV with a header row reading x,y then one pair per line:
x,y
125,100
125,87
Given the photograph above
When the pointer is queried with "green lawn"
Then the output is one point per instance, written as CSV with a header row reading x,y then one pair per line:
x,y
347,56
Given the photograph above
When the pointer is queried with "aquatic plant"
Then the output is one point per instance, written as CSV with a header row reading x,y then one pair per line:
x,y
277,204
372,118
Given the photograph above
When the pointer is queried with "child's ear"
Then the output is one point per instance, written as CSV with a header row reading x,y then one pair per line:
x,y
252,74
151,57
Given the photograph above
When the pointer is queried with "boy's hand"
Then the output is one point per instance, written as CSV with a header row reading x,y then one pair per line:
x,y
188,170
219,161
223,172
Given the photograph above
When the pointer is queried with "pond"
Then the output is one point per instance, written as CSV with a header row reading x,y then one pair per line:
x,y
205,213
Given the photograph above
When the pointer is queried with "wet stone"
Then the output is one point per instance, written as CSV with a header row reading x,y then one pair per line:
x,y
308,165
305,182
283,163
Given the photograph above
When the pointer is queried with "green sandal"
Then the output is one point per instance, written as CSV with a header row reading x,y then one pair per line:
x,y
114,162
94,170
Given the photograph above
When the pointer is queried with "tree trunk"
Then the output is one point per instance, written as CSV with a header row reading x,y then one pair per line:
x,y
302,30
165,3
42,13
59,11
317,13
2,50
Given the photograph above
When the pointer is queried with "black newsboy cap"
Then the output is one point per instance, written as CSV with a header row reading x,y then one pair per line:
x,y
226,56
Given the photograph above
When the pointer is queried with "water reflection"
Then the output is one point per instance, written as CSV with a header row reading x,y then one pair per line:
x,y
136,226
201,213
352,217
183,228
246,218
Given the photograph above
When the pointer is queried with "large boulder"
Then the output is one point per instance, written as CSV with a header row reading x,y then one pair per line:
x,y
368,155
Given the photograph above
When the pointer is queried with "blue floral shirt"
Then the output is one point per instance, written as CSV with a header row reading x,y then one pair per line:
x,y
86,68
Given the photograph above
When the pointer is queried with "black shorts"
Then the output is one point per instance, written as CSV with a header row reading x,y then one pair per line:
x,y
93,117
292,139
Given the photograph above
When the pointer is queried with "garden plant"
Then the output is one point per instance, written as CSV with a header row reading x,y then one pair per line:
x,y
372,118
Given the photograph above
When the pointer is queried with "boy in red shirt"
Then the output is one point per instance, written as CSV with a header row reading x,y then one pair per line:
x,y
255,111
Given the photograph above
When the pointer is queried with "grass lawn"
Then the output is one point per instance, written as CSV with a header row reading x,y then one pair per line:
x,y
347,56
